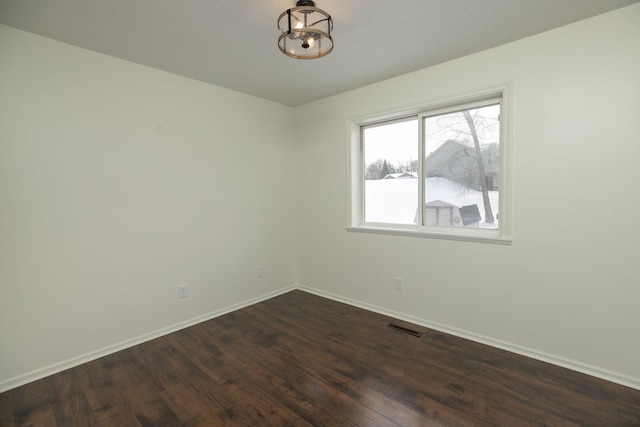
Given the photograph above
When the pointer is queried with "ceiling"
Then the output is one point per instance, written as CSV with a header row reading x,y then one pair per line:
x,y
233,43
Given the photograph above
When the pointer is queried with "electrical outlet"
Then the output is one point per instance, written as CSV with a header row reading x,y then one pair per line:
x,y
183,291
260,271
399,283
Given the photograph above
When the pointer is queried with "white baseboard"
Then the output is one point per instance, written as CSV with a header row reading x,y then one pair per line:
x,y
87,357
514,348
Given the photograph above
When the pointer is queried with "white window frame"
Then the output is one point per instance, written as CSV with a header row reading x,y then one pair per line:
x,y
355,220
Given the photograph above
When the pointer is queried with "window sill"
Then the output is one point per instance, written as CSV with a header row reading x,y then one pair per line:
x,y
477,238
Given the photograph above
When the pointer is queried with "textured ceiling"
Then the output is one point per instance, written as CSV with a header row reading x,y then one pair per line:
x,y
232,43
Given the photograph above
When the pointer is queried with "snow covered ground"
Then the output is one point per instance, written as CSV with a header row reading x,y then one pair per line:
x,y
395,201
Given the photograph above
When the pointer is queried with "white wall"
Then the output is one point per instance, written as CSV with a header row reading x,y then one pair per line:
x,y
118,183
568,289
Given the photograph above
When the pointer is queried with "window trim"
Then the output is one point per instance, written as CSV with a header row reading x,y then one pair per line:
x,y
355,190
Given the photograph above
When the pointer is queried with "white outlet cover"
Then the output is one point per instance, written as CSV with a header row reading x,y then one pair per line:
x,y
183,291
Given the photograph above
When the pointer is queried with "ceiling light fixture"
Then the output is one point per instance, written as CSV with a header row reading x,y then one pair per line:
x,y
305,31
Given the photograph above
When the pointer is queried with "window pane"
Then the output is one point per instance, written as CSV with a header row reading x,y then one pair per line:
x,y
462,168
391,172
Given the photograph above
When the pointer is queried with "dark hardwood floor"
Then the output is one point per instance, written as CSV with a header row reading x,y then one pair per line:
x,y
302,360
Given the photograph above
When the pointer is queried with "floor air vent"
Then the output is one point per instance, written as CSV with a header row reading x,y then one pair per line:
x,y
405,330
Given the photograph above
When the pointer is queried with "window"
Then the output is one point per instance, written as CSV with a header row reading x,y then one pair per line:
x,y
434,171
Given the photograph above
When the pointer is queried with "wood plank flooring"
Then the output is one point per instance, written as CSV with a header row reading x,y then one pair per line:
x,y
302,360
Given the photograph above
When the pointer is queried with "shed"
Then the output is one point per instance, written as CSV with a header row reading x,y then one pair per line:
x,y
443,214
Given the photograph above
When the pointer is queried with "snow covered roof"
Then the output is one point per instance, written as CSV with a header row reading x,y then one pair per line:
x,y
400,175
440,203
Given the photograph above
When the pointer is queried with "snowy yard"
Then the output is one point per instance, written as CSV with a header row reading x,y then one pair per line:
x,y
396,200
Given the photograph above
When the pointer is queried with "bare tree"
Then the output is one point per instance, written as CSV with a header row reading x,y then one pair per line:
x,y
482,174
372,170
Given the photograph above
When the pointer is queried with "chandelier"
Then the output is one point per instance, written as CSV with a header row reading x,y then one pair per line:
x,y
305,31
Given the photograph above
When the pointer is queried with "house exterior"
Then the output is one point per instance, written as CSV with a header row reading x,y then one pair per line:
x,y
401,175
456,161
